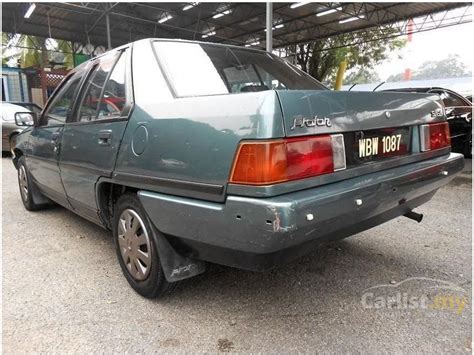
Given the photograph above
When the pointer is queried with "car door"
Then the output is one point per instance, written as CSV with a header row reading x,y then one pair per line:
x,y
92,137
45,139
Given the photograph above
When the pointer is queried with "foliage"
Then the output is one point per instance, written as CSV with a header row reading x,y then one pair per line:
x,y
450,67
362,75
5,39
30,54
9,40
321,58
63,54
66,49
27,51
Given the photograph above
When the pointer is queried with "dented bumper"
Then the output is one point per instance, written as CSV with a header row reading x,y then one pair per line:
x,y
259,233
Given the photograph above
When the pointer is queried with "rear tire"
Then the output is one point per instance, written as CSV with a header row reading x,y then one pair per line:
x,y
136,248
468,146
26,187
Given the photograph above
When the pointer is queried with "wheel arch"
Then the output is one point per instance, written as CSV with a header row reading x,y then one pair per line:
x,y
107,193
175,266
17,153
13,134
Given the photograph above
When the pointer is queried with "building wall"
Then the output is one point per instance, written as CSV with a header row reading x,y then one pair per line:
x,y
17,84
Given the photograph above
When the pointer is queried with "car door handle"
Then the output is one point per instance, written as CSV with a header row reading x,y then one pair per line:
x,y
55,141
105,137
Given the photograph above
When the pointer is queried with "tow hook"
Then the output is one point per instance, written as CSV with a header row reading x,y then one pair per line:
x,y
414,216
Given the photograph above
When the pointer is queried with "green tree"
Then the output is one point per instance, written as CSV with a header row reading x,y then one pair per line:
x,y
362,75
9,41
65,47
28,51
321,58
5,39
31,53
450,67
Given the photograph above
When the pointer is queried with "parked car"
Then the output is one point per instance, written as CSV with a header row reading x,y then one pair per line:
x,y
237,158
9,127
459,112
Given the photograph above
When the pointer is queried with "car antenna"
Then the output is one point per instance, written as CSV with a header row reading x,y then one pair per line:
x,y
352,87
379,85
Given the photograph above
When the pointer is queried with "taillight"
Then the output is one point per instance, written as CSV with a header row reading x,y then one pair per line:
x,y
434,136
275,161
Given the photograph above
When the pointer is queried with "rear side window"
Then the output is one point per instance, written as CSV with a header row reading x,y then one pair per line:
x,y
197,69
105,94
114,97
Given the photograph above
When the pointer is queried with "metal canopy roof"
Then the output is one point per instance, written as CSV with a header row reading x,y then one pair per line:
x,y
233,23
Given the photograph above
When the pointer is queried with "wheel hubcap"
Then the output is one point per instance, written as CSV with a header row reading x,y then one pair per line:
x,y
22,179
134,244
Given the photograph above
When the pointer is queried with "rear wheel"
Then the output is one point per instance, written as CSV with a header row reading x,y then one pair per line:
x,y
468,146
26,185
136,248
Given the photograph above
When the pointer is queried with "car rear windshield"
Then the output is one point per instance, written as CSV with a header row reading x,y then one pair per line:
x,y
197,69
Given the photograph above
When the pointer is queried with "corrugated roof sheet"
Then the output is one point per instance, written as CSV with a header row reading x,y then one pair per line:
x,y
239,23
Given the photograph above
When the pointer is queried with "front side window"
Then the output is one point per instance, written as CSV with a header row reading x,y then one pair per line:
x,y
61,107
105,94
215,70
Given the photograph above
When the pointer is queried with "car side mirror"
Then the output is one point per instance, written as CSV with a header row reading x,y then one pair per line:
x,y
26,119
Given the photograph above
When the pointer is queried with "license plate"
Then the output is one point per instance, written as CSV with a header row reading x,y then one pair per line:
x,y
376,144
372,146
381,143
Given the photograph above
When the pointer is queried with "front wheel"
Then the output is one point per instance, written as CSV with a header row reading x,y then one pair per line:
x,y
136,248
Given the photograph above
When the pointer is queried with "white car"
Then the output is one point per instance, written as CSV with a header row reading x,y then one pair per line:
x,y
9,127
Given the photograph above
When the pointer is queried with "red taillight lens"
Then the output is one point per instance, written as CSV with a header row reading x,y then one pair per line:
x,y
435,136
309,157
271,162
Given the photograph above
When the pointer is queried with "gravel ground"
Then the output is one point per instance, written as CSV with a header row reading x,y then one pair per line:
x,y
63,290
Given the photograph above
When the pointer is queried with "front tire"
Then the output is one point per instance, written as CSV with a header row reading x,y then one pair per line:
x,y
26,187
136,248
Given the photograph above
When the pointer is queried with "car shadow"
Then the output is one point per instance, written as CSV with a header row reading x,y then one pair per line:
x,y
330,267
338,271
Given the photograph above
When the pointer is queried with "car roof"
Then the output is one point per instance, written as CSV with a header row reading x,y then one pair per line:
x,y
20,103
150,40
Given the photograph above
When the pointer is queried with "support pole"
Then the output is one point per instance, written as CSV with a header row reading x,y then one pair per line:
x,y
44,63
269,27
340,75
107,21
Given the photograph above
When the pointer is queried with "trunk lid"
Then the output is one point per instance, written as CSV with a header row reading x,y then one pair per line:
x,y
375,125
318,112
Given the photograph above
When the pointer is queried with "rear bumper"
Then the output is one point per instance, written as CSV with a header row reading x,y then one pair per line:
x,y
258,234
